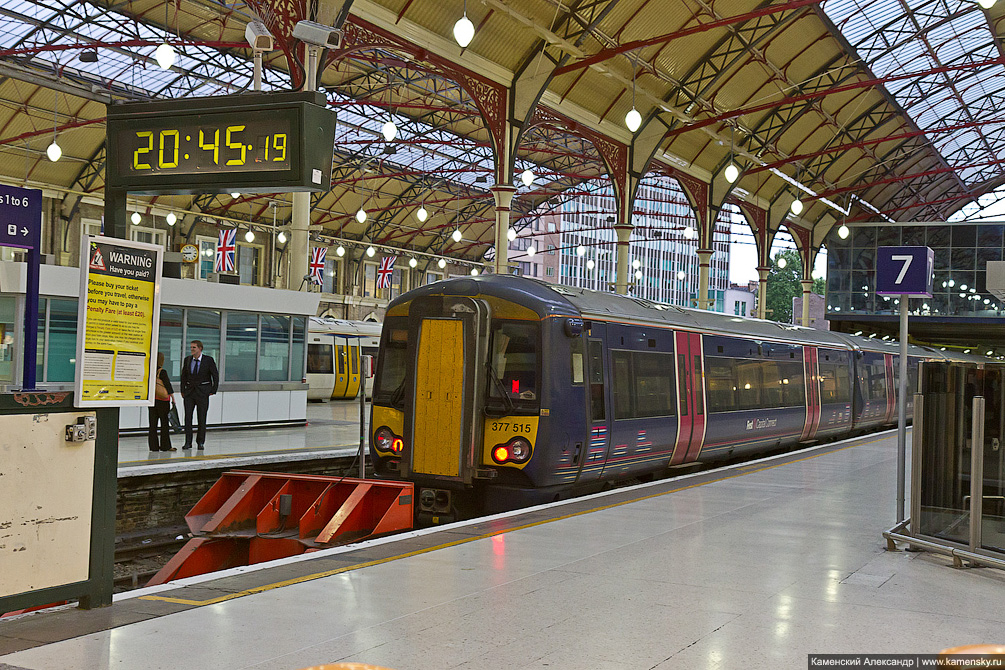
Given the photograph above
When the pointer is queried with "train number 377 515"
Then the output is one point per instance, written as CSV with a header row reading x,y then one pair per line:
x,y
509,427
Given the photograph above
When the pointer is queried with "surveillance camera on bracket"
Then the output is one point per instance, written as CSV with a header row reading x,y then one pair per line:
x,y
258,36
318,34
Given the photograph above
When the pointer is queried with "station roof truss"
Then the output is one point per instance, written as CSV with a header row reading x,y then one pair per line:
x,y
863,109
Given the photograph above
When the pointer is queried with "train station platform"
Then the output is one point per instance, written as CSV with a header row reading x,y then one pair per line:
x,y
751,566
332,430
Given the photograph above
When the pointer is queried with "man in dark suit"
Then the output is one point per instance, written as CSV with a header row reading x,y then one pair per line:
x,y
199,380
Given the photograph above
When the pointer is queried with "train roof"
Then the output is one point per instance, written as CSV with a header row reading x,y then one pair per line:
x,y
343,327
548,299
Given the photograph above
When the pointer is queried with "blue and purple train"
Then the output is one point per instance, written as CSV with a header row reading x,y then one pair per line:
x,y
496,392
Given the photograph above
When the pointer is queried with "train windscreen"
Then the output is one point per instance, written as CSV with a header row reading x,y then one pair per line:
x,y
513,362
389,385
319,359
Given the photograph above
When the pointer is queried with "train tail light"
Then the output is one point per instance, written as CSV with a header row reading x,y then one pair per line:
x,y
384,439
397,444
517,450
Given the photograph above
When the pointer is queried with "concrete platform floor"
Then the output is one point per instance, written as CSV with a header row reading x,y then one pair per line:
x,y
754,569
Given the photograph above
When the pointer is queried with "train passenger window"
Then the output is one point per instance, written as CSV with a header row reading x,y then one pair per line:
x,y
576,348
597,405
720,384
771,391
835,379
653,385
392,362
319,359
353,360
340,356
514,360
621,376
793,389
749,384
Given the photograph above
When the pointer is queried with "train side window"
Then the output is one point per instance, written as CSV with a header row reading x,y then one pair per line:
x,y
319,359
621,377
597,406
749,383
720,384
835,376
340,357
354,360
576,349
793,389
653,386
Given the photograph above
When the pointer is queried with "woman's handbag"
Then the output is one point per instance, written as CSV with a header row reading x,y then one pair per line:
x,y
160,391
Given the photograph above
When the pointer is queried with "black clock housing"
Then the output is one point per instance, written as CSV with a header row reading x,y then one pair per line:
x,y
250,143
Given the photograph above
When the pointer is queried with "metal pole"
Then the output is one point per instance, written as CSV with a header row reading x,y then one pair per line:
x,y
902,411
362,414
976,472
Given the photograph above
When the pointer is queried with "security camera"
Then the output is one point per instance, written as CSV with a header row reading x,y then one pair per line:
x,y
318,34
258,36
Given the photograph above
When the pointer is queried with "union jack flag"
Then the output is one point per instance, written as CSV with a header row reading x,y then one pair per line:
x,y
317,264
385,271
226,251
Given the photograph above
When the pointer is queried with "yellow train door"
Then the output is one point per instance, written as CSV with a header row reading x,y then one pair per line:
x,y
439,385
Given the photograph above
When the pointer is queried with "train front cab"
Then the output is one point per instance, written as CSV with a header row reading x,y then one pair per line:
x,y
461,401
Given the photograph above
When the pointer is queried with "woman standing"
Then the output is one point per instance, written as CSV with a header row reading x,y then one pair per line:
x,y
163,397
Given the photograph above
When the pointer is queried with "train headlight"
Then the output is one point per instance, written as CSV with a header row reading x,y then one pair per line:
x,y
517,450
397,444
384,438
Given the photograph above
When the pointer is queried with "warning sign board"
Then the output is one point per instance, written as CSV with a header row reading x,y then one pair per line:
x,y
118,321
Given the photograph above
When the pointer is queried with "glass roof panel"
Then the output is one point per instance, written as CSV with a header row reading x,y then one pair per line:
x,y
898,36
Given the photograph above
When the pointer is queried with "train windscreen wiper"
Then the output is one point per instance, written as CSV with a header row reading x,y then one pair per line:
x,y
510,407
398,397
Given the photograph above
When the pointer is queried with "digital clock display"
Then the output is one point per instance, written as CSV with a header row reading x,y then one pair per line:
x,y
260,141
272,142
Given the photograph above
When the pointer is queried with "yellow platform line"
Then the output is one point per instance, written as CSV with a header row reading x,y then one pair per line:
x,y
741,472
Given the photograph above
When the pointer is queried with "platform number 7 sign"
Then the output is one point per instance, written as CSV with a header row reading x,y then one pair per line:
x,y
905,271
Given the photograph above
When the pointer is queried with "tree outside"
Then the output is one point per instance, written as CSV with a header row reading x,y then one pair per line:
x,y
783,285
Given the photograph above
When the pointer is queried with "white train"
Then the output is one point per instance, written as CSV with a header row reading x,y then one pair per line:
x,y
333,351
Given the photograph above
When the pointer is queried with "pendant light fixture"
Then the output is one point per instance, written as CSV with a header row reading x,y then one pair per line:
x,y
527,177
136,218
412,262
249,236
370,251
796,207
633,119
340,251
422,214
54,151
511,234
464,30
441,263
731,173
164,54
171,218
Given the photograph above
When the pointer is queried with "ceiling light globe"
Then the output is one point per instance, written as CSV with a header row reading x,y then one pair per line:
x,y
688,233
412,262
590,264
681,275
843,232
165,56
457,235
340,251
986,4
54,151
441,263
389,131
580,250
633,119
474,272
638,274
531,251
796,207
361,215
464,31
235,195
527,177
249,236
135,218
171,218
370,251
422,214
511,234
281,238
782,263
636,264
732,173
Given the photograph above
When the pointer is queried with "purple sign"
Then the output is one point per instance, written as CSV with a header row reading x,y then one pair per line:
x,y
905,271
20,217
